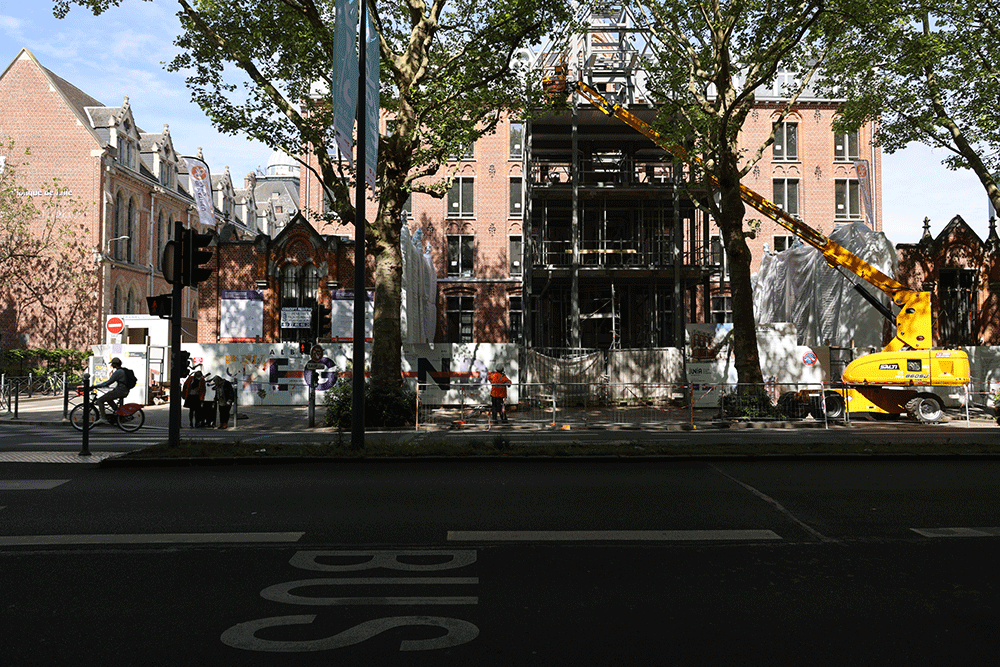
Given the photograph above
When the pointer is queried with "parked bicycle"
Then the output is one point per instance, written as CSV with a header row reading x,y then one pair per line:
x,y
128,417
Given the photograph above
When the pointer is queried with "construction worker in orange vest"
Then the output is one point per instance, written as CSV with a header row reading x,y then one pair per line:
x,y
498,394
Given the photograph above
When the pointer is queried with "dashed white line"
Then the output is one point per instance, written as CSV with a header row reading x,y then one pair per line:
x,y
957,532
607,535
30,484
154,538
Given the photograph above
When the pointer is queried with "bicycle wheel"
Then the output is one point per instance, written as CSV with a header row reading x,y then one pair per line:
x,y
133,422
78,419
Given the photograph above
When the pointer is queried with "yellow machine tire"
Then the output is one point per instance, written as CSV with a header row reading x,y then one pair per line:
x,y
925,408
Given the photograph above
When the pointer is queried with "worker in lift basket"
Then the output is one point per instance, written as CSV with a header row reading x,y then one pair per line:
x,y
498,394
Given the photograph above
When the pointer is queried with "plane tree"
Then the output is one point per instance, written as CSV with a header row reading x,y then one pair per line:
x,y
713,58
925,72
450,70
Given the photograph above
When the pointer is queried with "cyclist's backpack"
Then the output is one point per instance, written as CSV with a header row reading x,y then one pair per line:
x,y
130,379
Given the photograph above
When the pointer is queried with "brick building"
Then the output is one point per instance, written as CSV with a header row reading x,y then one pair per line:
x,y
962,273
646,260
124,191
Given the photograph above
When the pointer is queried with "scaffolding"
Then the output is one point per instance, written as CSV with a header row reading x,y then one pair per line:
x,y
616,254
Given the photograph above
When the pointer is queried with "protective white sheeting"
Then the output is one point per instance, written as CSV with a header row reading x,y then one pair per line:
x,y
418,319
798,286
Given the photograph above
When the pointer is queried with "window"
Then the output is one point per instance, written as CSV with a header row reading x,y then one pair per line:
x,y
786,142
515,319
847,198
465,152
516,140
119,227
845,146
459,312
516,210
129,243
782,243
160,240
718,254
958,316
515,256
460,198
300,289
117,302
132,305
461,252
722,309
786,195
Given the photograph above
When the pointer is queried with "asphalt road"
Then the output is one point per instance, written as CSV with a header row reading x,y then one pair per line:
x,y
501,562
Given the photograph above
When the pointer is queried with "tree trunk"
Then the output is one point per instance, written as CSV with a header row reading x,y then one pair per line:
x,y
739,257
387,341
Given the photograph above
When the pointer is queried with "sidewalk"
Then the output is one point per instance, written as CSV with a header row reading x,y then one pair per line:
x,y
295,418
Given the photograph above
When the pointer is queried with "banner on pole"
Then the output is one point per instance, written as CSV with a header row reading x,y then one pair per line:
x,y
201,189
372,59
345,76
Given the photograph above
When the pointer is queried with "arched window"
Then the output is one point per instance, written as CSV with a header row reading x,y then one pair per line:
x,y
133,302
290,286
116,301
160,240
130,241
119,225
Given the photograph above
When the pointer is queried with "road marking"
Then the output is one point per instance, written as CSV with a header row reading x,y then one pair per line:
x,y
607,535
30,484
778,506
156,538
957,532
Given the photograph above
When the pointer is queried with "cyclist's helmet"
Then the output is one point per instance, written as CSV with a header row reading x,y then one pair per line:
x,y
116,362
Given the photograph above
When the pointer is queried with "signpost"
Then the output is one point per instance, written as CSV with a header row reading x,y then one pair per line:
x,y
115,325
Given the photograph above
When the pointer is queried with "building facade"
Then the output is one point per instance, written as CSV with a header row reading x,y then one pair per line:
x,y
962,273
615,253
123,191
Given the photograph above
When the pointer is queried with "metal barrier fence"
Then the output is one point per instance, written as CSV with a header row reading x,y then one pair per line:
x,y
649,406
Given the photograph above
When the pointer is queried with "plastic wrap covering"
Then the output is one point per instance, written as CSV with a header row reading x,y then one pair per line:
x,y
418,319
798,286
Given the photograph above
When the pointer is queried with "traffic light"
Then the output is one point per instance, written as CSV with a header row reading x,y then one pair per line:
x,y
181,362
195,253
170,250
304,347
159,305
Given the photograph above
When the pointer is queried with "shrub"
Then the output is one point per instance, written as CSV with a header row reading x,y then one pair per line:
x,y
386,405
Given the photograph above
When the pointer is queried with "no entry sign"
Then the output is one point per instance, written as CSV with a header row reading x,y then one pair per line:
x,y
115,325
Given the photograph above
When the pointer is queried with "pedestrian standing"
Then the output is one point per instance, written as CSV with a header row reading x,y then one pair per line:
x,y
225,396
193,394
498,394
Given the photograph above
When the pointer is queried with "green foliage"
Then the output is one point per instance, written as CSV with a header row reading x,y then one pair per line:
x,y
386,405
21,361
925,73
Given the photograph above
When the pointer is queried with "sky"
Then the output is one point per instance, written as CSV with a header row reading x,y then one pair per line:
x,y
122,53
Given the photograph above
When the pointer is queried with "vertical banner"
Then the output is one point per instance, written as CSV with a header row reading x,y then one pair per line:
x,y
201,189
345,76
865,187
372,100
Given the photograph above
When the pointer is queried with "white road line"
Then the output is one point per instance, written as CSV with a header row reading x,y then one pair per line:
x,y
30,484
778,506
607,535
957,532
156,538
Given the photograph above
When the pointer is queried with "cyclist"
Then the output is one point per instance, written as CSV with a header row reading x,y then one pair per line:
x,y
119,379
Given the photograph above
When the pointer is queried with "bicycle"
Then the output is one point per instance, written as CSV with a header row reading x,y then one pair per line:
x,y
128,417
